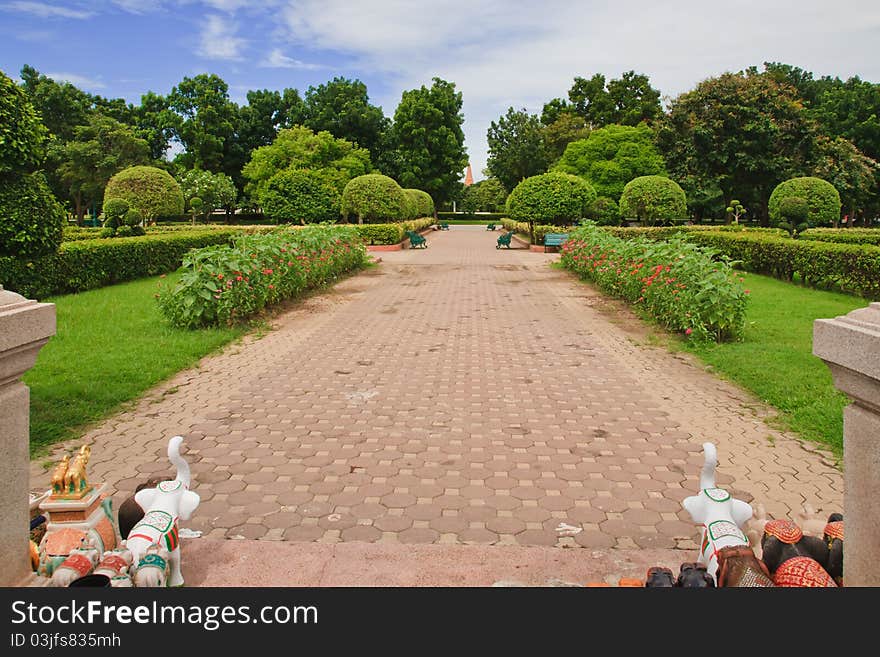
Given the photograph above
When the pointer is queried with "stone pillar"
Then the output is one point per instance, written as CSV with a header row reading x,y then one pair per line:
x,y
25,326
850,346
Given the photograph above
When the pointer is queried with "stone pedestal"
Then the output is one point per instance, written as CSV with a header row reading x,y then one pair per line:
x,y
25,326
850,346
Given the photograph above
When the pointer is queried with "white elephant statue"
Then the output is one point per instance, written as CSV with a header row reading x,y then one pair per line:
x,y
80,562
164,506
721,516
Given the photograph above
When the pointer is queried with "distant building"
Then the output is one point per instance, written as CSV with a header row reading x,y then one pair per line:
x,y
469,177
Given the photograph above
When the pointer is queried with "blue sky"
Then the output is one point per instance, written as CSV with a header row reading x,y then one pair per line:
x,y
500,53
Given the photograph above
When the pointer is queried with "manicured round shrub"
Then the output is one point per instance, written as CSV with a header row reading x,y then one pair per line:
x,y
604,211
301,196
133,218
115,210
653,199
151,191
108,232
420,203
124,231
22,133
374,198
556,198
30,217
821,197
794,209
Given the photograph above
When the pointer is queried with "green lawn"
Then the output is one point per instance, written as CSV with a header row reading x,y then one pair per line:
x,y
775,359
112,345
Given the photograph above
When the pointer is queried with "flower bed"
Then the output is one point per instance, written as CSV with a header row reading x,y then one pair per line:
x,y
222,284
677,283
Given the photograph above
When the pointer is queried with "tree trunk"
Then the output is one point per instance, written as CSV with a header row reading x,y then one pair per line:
x,y
80,209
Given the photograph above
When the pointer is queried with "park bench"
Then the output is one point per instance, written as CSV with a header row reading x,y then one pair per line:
x,y
444,226
504,240
416,240
490,227
554,239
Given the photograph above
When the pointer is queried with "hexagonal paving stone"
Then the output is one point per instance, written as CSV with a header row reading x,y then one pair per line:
x,y
418,535
393,523
361,533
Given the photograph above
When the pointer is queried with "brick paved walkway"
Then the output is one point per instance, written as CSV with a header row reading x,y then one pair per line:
x,y
457,394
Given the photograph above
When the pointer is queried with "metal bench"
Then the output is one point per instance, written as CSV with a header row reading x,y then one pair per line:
x,y
490,227
444,226
555,239
504,240
416,240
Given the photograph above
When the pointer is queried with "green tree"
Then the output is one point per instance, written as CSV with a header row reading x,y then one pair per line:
x,y
569,127
429,140
61,106
743,132
215,190
97,151
851,109
300,148
22,134
612,156
265,114
855,175
155,123
205,121
627,100
486,195
516,148
342,108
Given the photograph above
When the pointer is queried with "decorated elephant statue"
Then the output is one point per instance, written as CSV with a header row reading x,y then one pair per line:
x,y
784,540
80,562
833,537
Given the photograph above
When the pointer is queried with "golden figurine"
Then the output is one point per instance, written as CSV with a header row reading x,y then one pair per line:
x,y
58,476
75,477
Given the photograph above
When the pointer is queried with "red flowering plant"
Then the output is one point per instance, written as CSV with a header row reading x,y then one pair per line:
x,y
221,284
685,287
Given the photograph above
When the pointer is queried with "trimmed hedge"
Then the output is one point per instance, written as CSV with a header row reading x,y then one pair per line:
x,y
852,267
653,199
374,198
665,232
821,197
301,196
540,230
151,191
489,217
89,264
419,203
842,235
30,217
551,198
385,234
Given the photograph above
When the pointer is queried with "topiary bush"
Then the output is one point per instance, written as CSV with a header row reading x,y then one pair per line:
x,y
558,199
794,209
821,197
374,198
115,210
151,191
604,211
124,231
133,218
30,217
653,200
420,203
302,196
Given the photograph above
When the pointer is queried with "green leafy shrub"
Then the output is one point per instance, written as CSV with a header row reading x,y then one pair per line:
x,y
822,198
196,206
108,231
89,264
22,134
151,191
222,284
794,209
420,203
842,236
381,233
374,198
114,212
604,211
124,231
679,284
665,232
852,267
654,200
301,196
556,198
30,217
133,218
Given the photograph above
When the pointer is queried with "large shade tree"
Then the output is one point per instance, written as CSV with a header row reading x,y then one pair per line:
x,y
627,100
516,148
342,108
744,132
429,140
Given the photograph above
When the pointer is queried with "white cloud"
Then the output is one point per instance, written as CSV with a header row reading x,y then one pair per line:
x,y
218,39
277,59
501,53
43,10
77,80
138,6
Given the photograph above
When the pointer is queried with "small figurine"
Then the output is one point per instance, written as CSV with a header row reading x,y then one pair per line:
x,y
164,506
114,562
738,567
122,580
75,482
721,516
833,537
659,577
802,572
694,576
79,563
784,540
130,512
58,475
